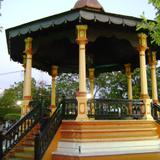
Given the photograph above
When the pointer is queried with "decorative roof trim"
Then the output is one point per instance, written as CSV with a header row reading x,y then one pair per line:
x,y
71,16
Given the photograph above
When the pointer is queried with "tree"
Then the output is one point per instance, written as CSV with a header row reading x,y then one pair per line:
x,y
8,105
67,85
153,27
11,95
111,85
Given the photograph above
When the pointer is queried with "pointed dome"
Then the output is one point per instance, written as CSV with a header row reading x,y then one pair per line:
x,y
89,4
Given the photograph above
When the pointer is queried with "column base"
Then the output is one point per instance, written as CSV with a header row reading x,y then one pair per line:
x,y
25,109
52,108
147,104
25,106
155,101
82,106
144,96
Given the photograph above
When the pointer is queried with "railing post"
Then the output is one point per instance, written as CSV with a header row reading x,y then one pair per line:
x,y
37,148
1,145
63,107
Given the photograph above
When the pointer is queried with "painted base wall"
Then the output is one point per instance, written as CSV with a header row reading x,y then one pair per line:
x,y
152,156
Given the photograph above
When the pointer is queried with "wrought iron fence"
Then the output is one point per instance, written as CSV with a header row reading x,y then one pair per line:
x,y
115,109
155,110
9,139
106,109
70,108
47,133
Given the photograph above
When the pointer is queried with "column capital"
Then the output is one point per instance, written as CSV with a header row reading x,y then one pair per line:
x,y
82,34
24,61
28,46
128,69
142,38
91,73
152,58
54,71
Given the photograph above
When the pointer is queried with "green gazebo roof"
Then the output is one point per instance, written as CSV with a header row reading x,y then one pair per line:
x,y
112,39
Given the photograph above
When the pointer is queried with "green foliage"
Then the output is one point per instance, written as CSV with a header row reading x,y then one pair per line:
x,y
153,27
67,85
11,95
111,85
136,83
40,95
9,110
156,3
12,117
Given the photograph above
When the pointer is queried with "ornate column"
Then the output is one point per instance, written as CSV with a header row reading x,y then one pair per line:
x,y
82,94
153,62
28,79
24,66
143,75
54,73
129,80
91,80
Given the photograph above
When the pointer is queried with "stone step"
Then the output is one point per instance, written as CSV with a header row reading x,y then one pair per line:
x,y
116,139
24,148
140,156
109,135
107,148
92,125
110,129
106,130
25,155
27,143
104,138
17,159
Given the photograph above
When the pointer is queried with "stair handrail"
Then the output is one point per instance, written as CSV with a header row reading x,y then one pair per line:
x,y
155,110
44,138
13,136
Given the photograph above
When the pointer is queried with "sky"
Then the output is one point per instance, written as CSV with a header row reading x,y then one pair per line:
x,y
16,12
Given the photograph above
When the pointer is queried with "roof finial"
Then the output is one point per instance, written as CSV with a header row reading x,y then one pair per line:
x,y
89,4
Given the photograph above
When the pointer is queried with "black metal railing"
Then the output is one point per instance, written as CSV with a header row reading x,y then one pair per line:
x,y
44,138
115,109
70,109
155,110
106,109
9,139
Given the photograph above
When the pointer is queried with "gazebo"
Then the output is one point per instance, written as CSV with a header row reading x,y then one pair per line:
x,y
86,39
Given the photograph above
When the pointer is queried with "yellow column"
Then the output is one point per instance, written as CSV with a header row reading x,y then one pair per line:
x,y
91,80
153,63
54,73
24,66
28,79
129,82
82,94
143,75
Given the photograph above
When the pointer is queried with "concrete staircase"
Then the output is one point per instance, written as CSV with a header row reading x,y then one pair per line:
x,y
104,139
24,150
